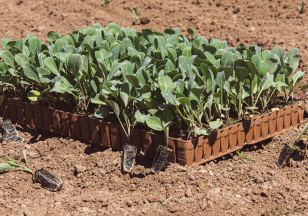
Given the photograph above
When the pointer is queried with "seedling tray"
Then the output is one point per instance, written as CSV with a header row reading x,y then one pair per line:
x,y
191,153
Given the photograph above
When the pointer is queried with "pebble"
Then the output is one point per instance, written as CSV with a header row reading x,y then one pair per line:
x,y
203,171
58,203
238,196
275,109
188,193
80,168
211,173
41,152
192,178
85,185
47,159
103,172
213,191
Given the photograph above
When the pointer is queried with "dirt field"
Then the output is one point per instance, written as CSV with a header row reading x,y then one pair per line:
x,y
93,183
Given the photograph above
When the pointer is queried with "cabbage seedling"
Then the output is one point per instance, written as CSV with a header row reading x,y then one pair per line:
x,y
136,14
47,180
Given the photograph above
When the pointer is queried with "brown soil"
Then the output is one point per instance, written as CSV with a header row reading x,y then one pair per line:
x,y
97,187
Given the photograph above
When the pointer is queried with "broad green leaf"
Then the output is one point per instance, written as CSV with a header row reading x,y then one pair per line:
x,y
192,32
8,58
74,63
101,112
210,57
241,73
298,76
140,117
31,72
215,124
165,83
132,78
35,43
200,131
271,65
226,59
51,65
3,67
34,95
60,43
154,123
168,96
266,81
294,62
115,107
113,70
5,166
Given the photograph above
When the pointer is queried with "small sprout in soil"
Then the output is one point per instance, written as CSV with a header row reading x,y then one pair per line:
x,y
105,2
47,180
301,9
240,155
136,14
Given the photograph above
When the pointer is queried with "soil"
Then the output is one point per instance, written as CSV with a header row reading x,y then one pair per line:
x,y
92,179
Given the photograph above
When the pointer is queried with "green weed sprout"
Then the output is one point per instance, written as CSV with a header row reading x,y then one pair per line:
x,y
136,14
11,164
105,2
301,9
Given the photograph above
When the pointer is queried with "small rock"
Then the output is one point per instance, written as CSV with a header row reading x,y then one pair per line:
x,y
144,20
172,207
188,193
85,185
203,206
103,172
115,162
304,196
213,191
211,173
37,185
80,168
47,159
236,10
192,178
203,171
72,168
41,152
238,196
87,210
114,179
58,203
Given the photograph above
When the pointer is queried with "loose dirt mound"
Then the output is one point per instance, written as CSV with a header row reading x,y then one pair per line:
x,y
93,183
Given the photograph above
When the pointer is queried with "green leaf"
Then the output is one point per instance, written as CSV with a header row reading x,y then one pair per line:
x,y
31,72
154,123
226,59
192,32
165,83
140,117
5,166
199,131
241,73
8,58
266,81
168,96
51,65
101,112
115,107
294,62
298,76
210,57
215,124
3,67
35,42
34,95
74,63
132,78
